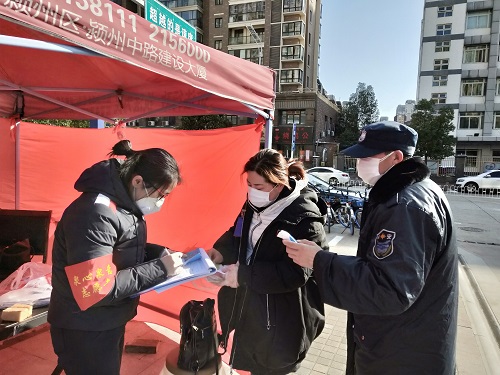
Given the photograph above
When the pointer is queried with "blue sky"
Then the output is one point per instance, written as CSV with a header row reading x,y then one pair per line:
x,y
375,42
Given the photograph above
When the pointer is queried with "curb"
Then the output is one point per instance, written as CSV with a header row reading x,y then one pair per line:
x,y
485,307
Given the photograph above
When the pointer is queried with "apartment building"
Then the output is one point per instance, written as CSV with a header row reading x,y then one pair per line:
x,y
459,67
284,35
404,112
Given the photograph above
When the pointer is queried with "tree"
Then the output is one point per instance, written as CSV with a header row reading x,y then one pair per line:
x,y
204,122
434,129
360,110
64,123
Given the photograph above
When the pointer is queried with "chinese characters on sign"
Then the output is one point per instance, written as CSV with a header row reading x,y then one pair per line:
x,y
160,15
283,135
96,25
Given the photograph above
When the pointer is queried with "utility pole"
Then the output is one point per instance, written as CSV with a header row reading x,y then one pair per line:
x,y
257,40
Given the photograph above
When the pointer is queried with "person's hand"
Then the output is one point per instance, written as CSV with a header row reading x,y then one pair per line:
x,y
230,276
173,263
215,255
303,252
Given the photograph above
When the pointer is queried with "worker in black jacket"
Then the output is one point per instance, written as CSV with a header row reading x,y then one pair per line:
x,y
272,304
100,257
401,290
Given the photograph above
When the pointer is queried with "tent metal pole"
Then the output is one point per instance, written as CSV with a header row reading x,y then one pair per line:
x,y
256,110
268,132
17,166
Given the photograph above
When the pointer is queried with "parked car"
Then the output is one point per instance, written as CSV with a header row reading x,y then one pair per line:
x,y
486,180
331,175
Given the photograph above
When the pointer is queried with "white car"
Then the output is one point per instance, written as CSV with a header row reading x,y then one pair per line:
x,y
486,180
331,175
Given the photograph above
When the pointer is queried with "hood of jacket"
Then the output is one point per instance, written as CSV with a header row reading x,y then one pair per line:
x,y
104,178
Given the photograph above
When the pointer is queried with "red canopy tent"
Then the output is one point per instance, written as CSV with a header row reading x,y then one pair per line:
x,y
68,59
76,59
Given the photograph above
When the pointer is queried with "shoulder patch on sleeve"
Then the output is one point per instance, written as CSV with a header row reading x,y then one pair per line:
x,y
384,244
91,280
102,199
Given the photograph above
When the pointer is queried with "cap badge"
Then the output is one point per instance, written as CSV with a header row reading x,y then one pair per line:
x,y
362,136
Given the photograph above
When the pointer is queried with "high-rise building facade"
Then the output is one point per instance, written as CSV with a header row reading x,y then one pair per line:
x,y
459,67
404,112
284,35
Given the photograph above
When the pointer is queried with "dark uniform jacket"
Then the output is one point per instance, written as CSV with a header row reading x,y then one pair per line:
x,y
90,228
276,311
401,290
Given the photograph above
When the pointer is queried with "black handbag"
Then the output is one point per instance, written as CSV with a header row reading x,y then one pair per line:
x,y
199,341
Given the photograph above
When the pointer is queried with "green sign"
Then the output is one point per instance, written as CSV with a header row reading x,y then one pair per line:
x,y
160,15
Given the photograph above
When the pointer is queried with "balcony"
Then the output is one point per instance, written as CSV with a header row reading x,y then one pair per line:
x,y
235,40
291,76
293,30
294,7
247,17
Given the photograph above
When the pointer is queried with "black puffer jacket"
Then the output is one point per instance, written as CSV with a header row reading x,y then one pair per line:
x,y
401,290
90,229
277,310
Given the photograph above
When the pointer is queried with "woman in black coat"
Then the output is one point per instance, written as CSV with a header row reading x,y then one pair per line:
x,y
272,304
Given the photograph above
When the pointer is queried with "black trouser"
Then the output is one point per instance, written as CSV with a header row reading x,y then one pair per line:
x,y
88,352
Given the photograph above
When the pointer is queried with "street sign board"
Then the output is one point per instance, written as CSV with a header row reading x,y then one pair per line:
x,y
160,15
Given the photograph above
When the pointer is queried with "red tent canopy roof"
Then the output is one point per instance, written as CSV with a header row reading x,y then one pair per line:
x,y
116,65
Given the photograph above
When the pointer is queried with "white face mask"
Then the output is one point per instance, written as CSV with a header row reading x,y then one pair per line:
x,y
149,205
368,169
259,198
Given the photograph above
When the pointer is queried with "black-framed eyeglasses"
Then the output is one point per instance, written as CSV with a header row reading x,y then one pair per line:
x,y
161,196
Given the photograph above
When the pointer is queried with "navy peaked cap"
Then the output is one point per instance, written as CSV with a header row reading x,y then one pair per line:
x,y
383,137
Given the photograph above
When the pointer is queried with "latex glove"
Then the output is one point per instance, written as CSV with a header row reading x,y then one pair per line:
x,y
215,255
173,263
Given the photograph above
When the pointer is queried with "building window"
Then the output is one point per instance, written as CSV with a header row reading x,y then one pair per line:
x,y
218,2
247,11
496,124
218,23
496,156
440,81
291,76
476,54
441,64
445,11
251,54
308,60
218,44
444,29
478,20
232,119
292,52
293,28
291,117
309,38
471,120
292,5
439,97
473,87
442,46
497,88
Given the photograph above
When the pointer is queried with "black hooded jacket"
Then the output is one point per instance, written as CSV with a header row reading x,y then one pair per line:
x,y
103,220
276,311
401,290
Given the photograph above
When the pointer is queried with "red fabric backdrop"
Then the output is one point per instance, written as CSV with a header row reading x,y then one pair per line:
x,y
194,215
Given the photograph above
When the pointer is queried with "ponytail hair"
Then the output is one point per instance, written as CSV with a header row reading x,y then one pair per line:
x,y
157,167
296,169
